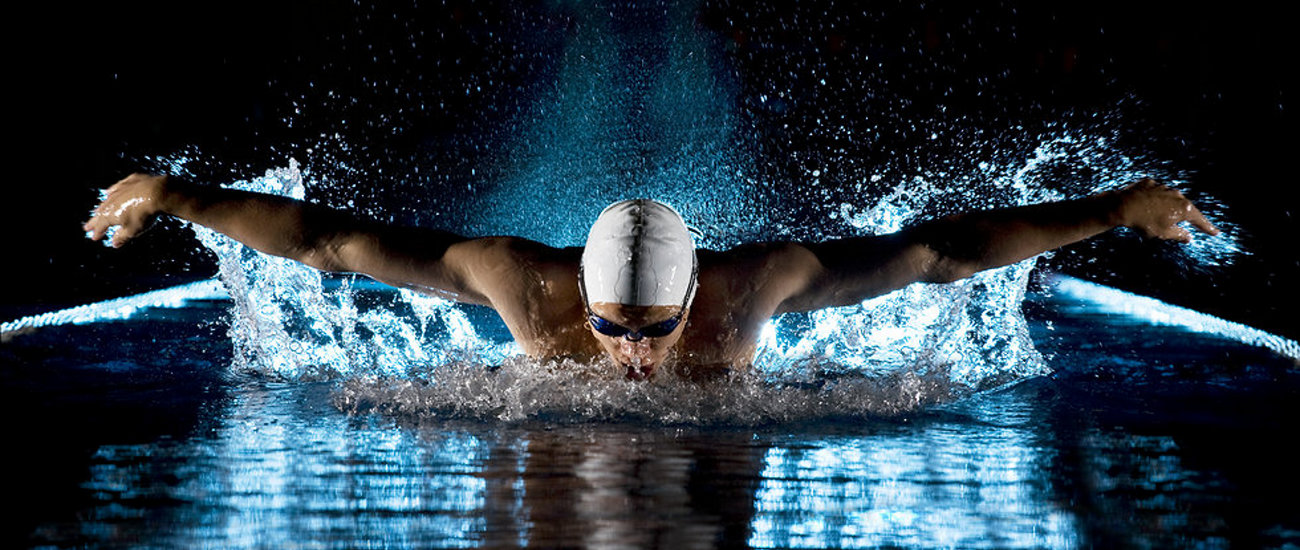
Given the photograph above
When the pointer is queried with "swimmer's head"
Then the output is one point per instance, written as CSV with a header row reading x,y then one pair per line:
x,y
638,281
639,253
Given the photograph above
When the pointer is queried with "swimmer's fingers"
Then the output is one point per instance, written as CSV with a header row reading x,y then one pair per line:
x,y
130,203
94,229
1157,211
128,226
99,224
1171,227
1197,219
124,234
99,221
1176,233
1185,211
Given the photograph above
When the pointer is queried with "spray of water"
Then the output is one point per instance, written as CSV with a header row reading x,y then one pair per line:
x,y
653,113
402,353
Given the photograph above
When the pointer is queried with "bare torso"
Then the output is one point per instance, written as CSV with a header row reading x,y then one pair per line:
x,y
541,305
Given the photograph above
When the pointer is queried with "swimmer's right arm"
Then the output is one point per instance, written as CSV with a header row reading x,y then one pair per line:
x,y
435,262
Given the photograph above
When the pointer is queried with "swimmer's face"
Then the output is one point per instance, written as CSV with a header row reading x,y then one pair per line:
x,y
640,355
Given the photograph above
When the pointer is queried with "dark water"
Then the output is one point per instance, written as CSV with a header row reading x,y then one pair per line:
x,y
134,434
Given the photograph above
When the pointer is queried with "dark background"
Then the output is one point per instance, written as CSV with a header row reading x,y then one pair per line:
x,y
100,90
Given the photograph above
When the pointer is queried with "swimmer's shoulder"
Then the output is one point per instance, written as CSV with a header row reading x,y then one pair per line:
x,y
749,254
756,264
514,254
518,273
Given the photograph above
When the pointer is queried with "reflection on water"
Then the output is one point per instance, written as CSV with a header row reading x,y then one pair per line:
x,y
1110,451
1151,437
942,486
1143,436
282,469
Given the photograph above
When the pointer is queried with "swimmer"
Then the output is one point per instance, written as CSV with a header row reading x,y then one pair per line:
x,y
639,292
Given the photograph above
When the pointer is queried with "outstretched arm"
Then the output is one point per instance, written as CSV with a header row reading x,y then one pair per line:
x,y
431,261
847,271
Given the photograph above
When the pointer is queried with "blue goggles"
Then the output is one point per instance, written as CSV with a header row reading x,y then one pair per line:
x,y
657,330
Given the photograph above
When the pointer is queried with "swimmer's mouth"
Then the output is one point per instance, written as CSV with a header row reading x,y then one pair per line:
x,y
639,373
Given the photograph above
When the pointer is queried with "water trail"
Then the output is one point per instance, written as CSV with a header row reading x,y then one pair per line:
x,y
1155,312
114,309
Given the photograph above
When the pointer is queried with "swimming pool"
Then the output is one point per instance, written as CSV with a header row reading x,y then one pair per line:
x,y
1147,433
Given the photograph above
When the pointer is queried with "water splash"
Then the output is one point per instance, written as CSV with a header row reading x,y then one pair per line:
x,y
971,330
565,391
409,354
403,353
643,102
289,324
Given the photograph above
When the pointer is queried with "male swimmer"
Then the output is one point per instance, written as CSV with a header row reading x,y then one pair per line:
x,y
639,291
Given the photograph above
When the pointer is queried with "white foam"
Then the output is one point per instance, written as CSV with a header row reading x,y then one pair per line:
x,y
522,389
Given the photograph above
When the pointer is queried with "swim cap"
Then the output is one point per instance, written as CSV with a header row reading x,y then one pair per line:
x,y
639,253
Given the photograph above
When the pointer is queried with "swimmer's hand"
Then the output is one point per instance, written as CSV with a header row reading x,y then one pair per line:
x,y
1155,210
131,204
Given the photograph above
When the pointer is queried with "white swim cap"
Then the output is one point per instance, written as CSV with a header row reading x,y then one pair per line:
x,y
639,253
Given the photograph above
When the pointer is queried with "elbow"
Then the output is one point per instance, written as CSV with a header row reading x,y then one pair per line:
x,y
942,253
937,267
324,254
946,270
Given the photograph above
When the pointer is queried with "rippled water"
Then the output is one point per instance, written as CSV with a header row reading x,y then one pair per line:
x,y
1143,436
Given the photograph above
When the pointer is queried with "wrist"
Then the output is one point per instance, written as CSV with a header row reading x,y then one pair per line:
x,y
1111,207
172,196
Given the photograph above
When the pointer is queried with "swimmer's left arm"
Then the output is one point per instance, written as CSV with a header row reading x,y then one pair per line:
x,y
847,271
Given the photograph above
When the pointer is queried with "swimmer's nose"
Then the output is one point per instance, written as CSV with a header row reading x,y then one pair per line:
x,y
633,336
634,348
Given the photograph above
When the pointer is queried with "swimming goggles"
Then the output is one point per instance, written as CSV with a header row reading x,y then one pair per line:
x,y
657,330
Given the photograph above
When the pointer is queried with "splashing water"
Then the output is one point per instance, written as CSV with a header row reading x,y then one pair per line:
x,y
627,114
402,353
287,323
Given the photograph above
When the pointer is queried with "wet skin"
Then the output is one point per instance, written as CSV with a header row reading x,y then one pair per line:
x,y
639,356
534,287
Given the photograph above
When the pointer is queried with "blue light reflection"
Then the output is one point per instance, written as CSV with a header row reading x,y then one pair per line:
x,y
941,487
279,475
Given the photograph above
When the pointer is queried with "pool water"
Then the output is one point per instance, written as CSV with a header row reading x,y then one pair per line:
x,y
139,433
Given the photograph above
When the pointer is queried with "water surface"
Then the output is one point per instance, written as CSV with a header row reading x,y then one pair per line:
x,y
139,435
